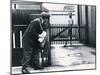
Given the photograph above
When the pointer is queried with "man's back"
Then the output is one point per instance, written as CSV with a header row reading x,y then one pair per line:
x,y
31,34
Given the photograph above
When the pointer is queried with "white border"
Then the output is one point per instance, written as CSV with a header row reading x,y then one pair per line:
x,y
5,37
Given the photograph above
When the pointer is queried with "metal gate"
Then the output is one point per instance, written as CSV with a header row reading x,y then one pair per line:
x,y
59,34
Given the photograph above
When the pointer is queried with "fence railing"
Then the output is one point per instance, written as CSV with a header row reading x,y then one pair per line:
x,y
60,33
17,33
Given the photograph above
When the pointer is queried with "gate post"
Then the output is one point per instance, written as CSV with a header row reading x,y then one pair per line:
x,y
49,44
47,49
86,26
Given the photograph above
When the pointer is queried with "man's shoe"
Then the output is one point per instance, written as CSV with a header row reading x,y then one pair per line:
x,y
25,71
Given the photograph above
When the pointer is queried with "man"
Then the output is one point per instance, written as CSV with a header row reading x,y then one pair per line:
x,y
70,23
31,42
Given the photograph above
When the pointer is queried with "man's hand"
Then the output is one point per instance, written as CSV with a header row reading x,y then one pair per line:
x,y
42,36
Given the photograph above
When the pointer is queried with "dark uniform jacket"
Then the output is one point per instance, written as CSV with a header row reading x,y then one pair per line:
x,y
30,43
31,46
30,36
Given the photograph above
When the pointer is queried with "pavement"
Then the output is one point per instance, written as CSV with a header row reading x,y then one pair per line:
x,y
66,59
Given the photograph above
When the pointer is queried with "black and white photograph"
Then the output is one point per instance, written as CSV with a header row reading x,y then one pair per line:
x,y
52,37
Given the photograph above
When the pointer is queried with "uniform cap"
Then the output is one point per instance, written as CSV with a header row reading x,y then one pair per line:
x,y
45,14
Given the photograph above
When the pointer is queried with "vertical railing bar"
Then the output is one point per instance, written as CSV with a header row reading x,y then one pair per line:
x,y
14,45
59,35
20,38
